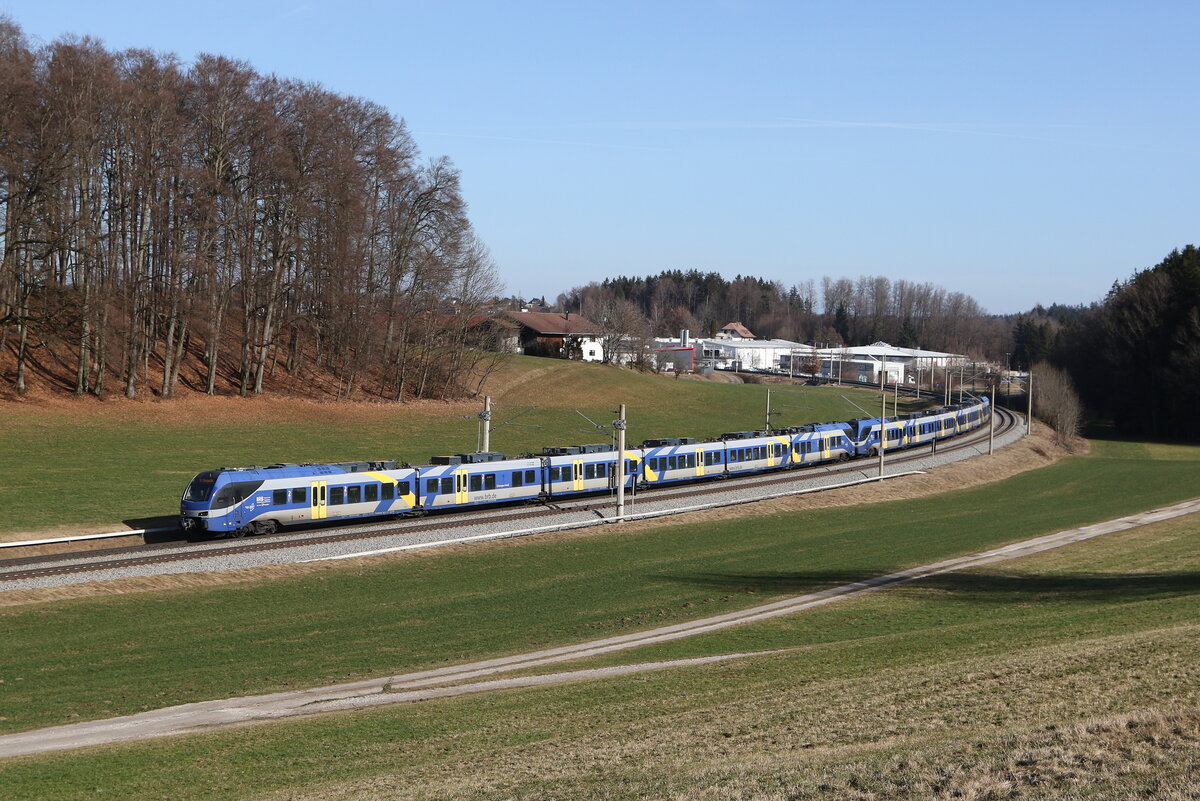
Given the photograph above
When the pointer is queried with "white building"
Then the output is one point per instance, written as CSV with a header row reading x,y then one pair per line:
x,y
865,362
730,353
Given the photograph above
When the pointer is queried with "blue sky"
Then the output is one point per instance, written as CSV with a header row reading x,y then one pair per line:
x,y
1017,152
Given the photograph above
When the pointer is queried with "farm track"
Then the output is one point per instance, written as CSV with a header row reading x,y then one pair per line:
x,y
164,553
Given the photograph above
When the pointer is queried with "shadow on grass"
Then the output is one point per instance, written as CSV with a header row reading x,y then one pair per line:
x,y
163,528
990,587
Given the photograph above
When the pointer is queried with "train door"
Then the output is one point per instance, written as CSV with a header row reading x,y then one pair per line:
x,y
825,454
317,507
577,467
461,496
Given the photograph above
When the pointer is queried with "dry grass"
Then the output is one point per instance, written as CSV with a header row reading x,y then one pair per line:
x,y
231,409
1064,721
1029,453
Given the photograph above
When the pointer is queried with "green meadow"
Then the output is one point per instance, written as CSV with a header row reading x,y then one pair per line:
x,y
1075,673
1009,676
95,464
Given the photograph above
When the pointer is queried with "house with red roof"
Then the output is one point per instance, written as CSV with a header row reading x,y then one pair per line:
x,y
561,335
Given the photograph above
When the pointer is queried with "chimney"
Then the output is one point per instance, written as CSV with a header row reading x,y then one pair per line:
x,y
684,335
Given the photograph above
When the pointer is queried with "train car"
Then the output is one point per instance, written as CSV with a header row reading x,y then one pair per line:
x,y
258,500
753,451
575,469
674,459
473,479
821,442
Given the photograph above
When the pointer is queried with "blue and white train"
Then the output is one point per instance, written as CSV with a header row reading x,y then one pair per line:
x,y
258,500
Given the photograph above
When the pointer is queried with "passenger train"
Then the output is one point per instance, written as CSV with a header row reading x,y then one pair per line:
x,y
258,500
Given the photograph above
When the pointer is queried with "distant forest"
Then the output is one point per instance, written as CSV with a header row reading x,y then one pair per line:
x,y
209,226
1135,358
833,311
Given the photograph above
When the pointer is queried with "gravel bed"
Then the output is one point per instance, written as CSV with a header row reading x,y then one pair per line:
x,y
644,504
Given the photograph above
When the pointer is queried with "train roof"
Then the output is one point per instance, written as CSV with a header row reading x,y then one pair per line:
x,y
292,470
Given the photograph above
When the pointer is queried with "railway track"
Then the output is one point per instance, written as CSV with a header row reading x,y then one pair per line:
x,y
83,562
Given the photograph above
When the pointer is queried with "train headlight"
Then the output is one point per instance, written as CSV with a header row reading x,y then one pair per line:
x,y
202,514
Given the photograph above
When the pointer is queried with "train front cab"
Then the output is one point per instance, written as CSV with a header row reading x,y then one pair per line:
x,y
258,500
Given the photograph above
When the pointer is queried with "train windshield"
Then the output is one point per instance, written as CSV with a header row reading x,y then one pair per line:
x,y
201,487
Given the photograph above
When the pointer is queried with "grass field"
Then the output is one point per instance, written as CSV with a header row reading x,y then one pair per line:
x,y
1071,674
91,464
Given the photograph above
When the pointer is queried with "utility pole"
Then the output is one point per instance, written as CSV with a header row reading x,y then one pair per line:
x,y
1029,416
768,410
992,416
620,425
485,424
882,428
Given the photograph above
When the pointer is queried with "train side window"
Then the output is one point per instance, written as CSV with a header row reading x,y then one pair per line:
x,y
388,492
589,471
299,495
476,483
602,470
371,492
447,485
529,477
431,486
279,497
354,494
518,479
489,481
336,495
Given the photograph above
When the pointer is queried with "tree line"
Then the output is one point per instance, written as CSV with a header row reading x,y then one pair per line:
x,y
208,225
831,311
1135,357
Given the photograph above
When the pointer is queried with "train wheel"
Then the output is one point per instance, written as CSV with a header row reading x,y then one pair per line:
x,y
267,527
238,533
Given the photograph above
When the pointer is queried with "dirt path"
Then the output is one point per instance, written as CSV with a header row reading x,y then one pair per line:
x,y
442,682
